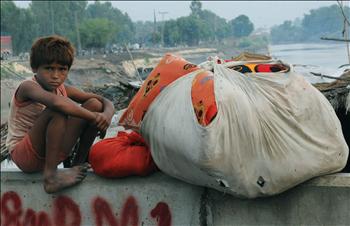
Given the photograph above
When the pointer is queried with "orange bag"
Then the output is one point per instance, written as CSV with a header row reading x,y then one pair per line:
x,y
124,155
203,97
169,69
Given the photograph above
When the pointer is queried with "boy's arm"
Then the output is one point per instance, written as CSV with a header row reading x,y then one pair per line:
x,y
81,96
103,120
31,91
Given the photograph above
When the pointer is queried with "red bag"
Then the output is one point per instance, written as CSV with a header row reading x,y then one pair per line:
x,y
124,155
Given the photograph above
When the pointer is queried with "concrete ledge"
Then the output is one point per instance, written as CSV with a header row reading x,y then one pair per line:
x,y
307,204
162,200
133,199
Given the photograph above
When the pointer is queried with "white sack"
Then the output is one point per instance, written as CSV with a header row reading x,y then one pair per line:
x,y
272,132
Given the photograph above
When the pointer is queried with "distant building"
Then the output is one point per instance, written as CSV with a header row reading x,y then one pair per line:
x,y
6,46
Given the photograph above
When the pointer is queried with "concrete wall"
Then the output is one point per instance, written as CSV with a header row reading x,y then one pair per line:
x,y
162,200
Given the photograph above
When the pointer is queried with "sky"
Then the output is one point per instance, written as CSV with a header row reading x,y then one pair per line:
x,y
262,13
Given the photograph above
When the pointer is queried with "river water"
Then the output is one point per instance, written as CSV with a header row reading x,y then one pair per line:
x,y
319,58
325,58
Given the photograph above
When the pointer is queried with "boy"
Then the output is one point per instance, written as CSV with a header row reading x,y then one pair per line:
x,y
45,121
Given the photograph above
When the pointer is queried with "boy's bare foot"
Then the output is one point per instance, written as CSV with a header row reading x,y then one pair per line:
x,y
60,179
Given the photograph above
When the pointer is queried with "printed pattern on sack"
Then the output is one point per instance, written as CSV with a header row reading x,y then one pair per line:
x,y
203,98
151,84
169,69
260,68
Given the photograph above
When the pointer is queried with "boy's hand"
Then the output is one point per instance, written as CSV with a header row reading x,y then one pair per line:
x,y
101,122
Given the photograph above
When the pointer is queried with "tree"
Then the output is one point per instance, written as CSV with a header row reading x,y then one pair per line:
x,y
24,35
190,29
171,33
241,26
286,33
199,26
215,28
123,25
156,37
49,20
9,13
196,7
325,21
18,23
143,32
96,33
77,8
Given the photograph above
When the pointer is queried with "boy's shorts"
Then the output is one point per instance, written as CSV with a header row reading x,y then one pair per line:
x,y
26,158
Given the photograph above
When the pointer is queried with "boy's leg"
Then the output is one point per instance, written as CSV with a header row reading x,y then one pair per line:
x,y
79,128
47,136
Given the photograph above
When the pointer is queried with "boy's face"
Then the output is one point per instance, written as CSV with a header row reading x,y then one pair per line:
x,y
51,76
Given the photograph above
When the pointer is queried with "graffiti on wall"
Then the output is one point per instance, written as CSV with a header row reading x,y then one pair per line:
x,y
66,212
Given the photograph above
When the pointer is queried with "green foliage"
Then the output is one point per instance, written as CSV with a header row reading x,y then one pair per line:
x,y
196,7
56,17
23,21
156,37
287,32
123,25
171,33
9,12
215,28
191,29
325,21
199,26
40,19
96,32
147,33
101,25
253,43
241,26
143,31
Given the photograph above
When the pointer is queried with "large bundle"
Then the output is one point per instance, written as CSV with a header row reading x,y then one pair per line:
x,y
271,132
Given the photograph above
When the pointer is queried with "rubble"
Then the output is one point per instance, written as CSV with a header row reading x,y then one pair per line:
x,y
338,94
120,94
4,150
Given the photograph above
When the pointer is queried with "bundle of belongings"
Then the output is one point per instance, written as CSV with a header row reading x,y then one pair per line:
x,y
123,155
249,128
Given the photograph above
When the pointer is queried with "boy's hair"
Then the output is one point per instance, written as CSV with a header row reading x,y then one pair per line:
x,y
51,49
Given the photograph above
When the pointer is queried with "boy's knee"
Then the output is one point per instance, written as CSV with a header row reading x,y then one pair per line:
x,y
54,114
93,104
58,116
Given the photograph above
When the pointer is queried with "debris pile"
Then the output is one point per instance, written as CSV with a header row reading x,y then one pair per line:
x,y
120,94
336,92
